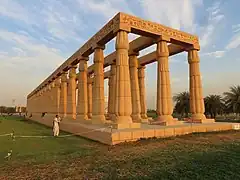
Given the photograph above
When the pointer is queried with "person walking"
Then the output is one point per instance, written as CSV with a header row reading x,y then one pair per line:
x,y
56,123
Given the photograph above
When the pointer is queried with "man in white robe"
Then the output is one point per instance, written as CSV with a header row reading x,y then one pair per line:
x,y
56,123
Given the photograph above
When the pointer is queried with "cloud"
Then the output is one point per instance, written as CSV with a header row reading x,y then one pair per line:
x,y
235,40
105,8
216,54
214,19
14,10
24,65
176,14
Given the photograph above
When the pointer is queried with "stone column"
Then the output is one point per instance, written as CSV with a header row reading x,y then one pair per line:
x,y
71,93
164,95
196,98
123,101
82,90
56,96
63,95
89,83
52,98
58,86
98,87
136,106
109,110
112,91
141,78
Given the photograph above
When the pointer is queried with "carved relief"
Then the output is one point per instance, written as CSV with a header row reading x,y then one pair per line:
x,y
157,29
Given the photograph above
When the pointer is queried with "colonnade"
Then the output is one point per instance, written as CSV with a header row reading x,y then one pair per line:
x,y
127,91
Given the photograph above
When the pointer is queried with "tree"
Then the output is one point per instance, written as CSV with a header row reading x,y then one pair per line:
x,y
2,109
214,105
182,105
232,99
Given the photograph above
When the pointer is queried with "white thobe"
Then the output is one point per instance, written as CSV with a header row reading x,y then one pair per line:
x,y
56,122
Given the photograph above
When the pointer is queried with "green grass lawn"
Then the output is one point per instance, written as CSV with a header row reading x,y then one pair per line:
x,y
197,156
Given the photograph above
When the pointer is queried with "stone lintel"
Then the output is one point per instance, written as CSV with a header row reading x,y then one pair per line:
x,y
144,26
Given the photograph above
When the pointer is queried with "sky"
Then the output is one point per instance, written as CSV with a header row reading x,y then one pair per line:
x,y
38,36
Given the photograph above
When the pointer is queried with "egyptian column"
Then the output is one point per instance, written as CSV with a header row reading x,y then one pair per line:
x,y
56,96
63,95
98,111
196,98
89,93
109,112
142,90
123,99
44,99
82,107
136,106
52,98
112,92
164,95
71,93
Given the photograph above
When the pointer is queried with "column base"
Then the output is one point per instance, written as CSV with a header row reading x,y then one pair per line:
x,y
98,119
200,118
70,117
166,120
145,121
89,115
112,117
108,116
144,116
82,117
123,119
136,118
126,126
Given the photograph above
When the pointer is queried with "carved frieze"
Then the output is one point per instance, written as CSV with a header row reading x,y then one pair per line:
x,y
158,29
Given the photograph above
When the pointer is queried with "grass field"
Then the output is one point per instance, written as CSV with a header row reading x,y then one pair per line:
x,y
197,156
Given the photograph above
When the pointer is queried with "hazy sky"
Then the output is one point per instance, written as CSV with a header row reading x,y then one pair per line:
x,y
36,36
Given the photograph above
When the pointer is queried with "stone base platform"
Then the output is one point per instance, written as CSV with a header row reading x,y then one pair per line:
x,y
203,121
110,136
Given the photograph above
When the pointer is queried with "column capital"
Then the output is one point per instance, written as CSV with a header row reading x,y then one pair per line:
x,y
141,71
193,47
90,80
162,38
82,66
64,76
98,55
113,69
193,56
57,81
162,49
53,84
122,40
133,61
141,67
83,58
98,46
72,71
133,53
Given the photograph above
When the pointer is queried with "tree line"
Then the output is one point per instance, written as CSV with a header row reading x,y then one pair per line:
x,y
10,110
225,104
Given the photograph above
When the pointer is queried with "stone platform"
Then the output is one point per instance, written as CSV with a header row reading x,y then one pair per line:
x,y
107,135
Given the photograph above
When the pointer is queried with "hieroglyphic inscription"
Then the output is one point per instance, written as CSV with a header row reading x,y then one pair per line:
x,y
157,29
